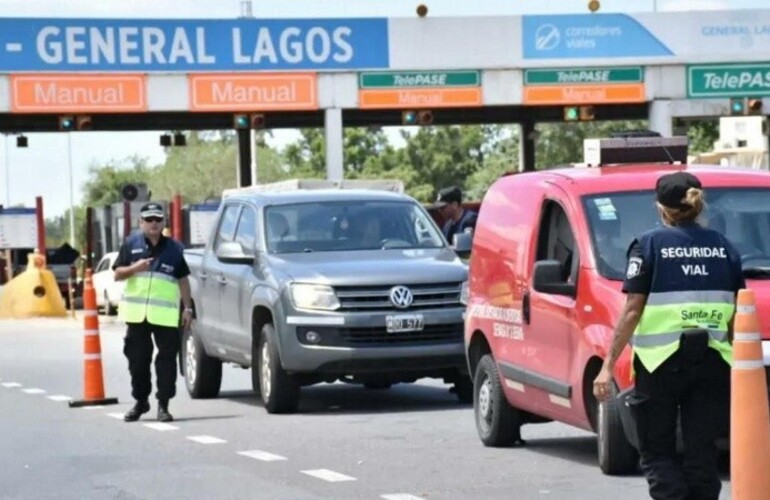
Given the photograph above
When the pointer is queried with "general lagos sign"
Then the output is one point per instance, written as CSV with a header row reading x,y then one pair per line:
x,y
61,45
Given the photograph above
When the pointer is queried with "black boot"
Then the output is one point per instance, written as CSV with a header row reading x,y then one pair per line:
x,y
163,414
139,409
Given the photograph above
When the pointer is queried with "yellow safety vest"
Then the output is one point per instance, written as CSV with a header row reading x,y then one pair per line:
x,y
153,296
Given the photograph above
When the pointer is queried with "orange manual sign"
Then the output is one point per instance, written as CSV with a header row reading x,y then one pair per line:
x,y
611,93
253,92
91,93
419,98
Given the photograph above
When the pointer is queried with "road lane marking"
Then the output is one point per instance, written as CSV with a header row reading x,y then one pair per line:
x,y
261,455
401,496
206,439
95,407
33,390
59,397
160,426
118,416
11,384
328,475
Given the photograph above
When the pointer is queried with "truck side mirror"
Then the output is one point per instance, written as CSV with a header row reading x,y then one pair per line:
x,y
231,252
547,278
462,244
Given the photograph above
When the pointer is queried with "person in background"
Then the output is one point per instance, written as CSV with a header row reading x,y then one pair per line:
x,y
681,283
457,219
155,271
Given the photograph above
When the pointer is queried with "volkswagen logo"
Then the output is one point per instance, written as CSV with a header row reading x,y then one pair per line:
x,y
401,296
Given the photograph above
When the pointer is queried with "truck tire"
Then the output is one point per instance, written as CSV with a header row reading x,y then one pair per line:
x,y
497,422
279,390
202,373
616,455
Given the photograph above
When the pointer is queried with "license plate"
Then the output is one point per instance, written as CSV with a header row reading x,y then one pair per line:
x,y
395,323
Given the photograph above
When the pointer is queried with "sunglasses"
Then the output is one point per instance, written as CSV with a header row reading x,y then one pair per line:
x,y
152,219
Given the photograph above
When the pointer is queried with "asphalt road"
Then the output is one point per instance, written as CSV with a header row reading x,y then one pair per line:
x,y
408,443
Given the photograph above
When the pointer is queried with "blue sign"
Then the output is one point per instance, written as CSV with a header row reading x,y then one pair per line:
x,y
172,45
589,36
17,211
208,207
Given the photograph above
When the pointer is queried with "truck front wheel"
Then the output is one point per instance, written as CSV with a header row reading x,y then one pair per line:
x,y
202,373
497,422
279,390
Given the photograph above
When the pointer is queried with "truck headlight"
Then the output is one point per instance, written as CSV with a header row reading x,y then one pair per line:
x,y
464,293
306,296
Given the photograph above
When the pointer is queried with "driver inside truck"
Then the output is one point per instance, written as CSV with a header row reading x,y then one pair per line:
x,y
277,226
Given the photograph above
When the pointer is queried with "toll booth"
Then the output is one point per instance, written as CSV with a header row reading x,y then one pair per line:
x,y
110,227
197,223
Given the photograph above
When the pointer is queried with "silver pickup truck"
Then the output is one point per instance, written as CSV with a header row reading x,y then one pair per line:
x,y
323,285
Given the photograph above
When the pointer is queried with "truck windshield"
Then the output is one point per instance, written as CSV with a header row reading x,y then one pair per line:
x,y
743,215
349,225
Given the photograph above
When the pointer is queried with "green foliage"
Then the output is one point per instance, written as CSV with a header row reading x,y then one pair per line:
x,y
702,135
562,143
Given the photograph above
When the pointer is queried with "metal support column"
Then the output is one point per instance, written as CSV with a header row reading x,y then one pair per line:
x,y
527,143
333,135
661,119
244,157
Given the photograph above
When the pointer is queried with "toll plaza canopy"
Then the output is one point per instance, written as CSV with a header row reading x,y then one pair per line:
x,y
163,74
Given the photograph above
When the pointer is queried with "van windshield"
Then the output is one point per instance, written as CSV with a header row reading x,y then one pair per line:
x,y
349,225
743,215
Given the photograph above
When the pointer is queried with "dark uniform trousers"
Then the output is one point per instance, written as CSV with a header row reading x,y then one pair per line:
x,y
697,391
138,349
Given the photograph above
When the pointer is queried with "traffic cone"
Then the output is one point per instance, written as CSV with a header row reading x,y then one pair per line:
x,y
94,382
749,412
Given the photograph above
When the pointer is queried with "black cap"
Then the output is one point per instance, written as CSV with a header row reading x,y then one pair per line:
x,y
448,195
671,189
151,210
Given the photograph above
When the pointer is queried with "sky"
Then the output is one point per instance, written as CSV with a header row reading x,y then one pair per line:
x,y
43,168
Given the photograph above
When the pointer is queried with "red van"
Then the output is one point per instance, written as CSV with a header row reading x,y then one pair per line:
x,y
548,260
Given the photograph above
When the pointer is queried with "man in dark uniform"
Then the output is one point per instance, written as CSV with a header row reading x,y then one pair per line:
x,y
155,271
458,219
681,283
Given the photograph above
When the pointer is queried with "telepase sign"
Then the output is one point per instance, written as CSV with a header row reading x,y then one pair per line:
x,y
191,45
728,80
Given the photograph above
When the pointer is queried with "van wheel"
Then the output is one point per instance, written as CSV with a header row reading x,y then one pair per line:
x,y
202,373
497,422
279,390
616,455
463,388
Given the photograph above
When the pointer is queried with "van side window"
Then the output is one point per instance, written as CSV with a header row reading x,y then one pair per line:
x,y
556,240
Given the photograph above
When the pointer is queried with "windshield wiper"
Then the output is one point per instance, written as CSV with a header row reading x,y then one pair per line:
x,y
756,272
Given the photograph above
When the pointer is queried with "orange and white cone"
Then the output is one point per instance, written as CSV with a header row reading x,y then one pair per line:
x,y
93,393
749,412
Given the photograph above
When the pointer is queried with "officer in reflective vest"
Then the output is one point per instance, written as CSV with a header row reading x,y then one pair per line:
x,y
681,283
156,273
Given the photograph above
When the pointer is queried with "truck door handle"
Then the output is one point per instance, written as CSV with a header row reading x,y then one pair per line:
x,y
203,276
525,308
221,280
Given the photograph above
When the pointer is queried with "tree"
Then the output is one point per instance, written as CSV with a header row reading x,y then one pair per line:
x,y
702,135
562,143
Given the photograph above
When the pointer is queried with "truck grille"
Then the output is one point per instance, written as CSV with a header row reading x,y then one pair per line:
x,y
374,336
377,298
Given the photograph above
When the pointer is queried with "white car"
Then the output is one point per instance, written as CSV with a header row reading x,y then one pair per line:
x,y
108,291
